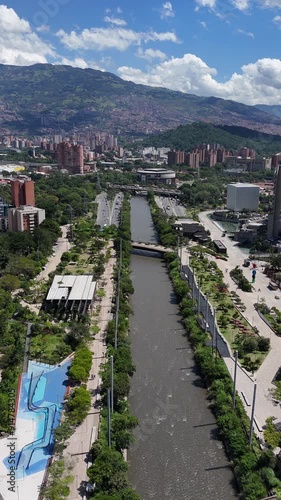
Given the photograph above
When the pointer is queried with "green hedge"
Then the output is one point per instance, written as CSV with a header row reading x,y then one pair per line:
x,y
81,365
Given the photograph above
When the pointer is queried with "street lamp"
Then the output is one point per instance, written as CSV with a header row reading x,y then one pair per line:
x,y
214,337
207,311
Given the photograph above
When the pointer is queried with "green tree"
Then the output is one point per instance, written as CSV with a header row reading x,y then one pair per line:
x,y
22,266
9,282
58,487
122,425
79,404
109,472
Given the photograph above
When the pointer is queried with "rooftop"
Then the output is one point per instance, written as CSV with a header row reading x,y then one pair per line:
x,y
243,184
71,287
155,170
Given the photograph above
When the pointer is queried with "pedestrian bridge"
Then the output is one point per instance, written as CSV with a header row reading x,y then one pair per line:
x,y
151,247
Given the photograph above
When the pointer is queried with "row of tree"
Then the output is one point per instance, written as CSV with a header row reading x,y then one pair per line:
x,y
109,472
166,232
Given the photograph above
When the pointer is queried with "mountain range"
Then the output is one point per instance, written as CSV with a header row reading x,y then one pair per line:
x,y
45,98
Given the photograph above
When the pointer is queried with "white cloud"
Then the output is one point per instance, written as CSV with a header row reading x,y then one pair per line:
x,y
277,20
206,3
44,28
19,45
106,61
111,38
241,4
115,20
78,62
247,33
270,4
150,54
167,10
258,82
204,24
119,10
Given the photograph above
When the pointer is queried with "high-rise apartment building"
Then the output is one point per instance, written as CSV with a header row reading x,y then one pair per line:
x,y
193,159
220,155
25,218
71,157
212,158
22,193
244,152
276,159
176,157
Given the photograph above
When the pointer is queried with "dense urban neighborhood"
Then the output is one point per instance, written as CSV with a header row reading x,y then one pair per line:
x,y
69,286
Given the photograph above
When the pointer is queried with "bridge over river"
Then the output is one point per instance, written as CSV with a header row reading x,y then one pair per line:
x,y
152,247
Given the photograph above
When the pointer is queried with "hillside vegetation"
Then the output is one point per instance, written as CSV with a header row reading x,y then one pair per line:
x,y
187,137
45,96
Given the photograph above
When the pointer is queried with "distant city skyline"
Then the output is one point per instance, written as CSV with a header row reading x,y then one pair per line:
x,y
224,48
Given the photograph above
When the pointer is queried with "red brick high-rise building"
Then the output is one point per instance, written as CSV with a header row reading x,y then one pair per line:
x,y
176,157
212,158
22,193
276,159
193,159
71,157
220,155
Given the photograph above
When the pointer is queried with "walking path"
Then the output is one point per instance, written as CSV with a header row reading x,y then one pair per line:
x,y
81,441
62,245
265,405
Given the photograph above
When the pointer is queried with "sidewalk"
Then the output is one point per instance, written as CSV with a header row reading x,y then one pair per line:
x,y
80,442
265,406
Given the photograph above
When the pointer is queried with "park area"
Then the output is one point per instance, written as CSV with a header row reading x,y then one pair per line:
x,y
241,336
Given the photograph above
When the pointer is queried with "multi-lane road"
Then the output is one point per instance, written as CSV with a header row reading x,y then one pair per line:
x,y
108,210
171,206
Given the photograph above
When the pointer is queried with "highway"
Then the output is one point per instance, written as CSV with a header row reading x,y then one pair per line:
x,y
171,206
108,211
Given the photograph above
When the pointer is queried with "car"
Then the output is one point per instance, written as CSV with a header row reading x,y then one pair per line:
x,y
277,297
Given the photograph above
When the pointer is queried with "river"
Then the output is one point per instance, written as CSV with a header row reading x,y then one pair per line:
x,y
177,454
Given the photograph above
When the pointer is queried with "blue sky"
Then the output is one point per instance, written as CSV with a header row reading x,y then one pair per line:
x,y
226,48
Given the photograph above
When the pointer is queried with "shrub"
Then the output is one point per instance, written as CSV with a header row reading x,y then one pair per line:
x,y
81,365
263,344
271,435
250,344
